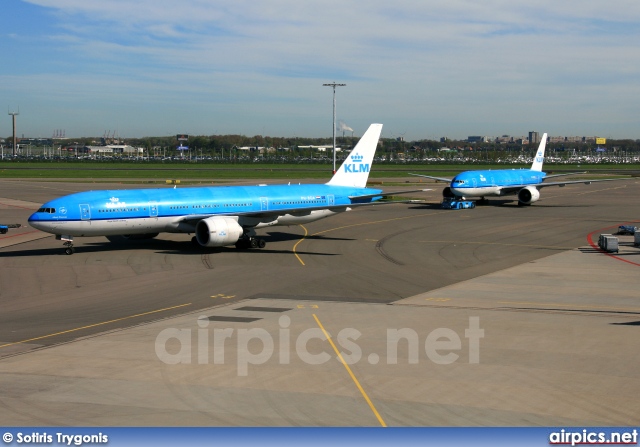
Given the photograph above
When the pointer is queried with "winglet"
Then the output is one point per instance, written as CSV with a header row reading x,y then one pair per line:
x,y
539,159
355,169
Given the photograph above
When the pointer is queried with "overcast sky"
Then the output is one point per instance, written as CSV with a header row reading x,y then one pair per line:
x,y
424,69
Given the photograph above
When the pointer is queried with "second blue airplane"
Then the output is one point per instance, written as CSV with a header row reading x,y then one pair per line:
x,y
524,183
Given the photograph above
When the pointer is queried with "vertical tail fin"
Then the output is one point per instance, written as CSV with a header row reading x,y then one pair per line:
x,y
355,169
539,158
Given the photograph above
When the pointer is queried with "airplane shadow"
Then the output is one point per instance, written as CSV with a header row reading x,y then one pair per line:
x,y
496,203
284,237
199,251
512,203
566,205
185,248
253,251
426,206
97,247
29,253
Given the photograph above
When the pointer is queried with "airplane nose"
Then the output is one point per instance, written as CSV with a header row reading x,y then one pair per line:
x,y
35,221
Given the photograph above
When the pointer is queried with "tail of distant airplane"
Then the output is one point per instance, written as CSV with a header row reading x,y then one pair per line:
x,y
355,169
539,158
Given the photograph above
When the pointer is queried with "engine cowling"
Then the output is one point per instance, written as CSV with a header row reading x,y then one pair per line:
x,y
528,195
447,193
218,232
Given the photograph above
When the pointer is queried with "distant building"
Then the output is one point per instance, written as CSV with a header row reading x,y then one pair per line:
x,y
534,137
505,139
477,139
556,139
113,149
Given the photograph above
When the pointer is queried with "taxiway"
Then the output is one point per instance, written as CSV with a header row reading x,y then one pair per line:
x,y
79,335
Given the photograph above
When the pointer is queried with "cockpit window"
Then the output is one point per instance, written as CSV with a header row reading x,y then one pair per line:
x,y
459,182
47,210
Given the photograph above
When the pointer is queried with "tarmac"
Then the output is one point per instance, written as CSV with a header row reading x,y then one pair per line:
x,y
393,315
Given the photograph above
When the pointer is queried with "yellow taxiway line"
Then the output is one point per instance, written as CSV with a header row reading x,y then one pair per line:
x,y
93,325
353,377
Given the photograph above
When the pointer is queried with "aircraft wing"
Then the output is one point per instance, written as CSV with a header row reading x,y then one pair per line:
x,y
586,182
441,179
194,218
569,173
387,194
515,188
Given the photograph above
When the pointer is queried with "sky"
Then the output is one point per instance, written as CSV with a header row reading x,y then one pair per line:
x,y
425,69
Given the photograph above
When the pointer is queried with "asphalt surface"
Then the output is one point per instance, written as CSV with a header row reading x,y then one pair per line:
x,y
559,317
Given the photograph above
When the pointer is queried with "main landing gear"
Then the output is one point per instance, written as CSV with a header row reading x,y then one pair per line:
x,y
250,242
68,243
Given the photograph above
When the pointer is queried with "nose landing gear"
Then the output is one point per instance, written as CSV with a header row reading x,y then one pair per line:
x,y
69,248
68,243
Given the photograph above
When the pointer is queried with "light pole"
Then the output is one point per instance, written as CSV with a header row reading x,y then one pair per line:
x,y
334,85
13,116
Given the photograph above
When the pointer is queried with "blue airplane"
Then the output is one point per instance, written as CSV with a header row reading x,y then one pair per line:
x,y
217,215
525,183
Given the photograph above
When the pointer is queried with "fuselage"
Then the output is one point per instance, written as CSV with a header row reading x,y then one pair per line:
x,y
177,210
491,183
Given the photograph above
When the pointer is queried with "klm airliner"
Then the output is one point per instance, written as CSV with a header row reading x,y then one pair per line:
x,y
525,183
218,215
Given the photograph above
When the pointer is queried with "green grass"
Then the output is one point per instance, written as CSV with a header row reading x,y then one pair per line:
x,y
209,172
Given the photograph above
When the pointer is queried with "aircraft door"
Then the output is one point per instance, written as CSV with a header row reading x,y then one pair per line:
x,y
264,203
85,212
153,209
475,182
331,200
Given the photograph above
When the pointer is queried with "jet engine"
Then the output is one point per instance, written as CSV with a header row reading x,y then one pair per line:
x,y
218,232
447,194
528,195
